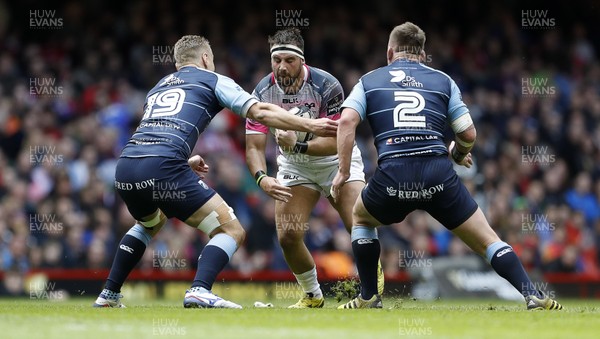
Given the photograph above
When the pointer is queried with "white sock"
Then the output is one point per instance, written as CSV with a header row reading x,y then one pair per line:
x,y
310,284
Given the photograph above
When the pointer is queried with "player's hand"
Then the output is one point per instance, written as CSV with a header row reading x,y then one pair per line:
x,y
324,127
275,190
467,161
338,182
198,165
286,139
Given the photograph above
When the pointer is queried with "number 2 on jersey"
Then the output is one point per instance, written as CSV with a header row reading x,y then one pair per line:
x,y
406,113
165,103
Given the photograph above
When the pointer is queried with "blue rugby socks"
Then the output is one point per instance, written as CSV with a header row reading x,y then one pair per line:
x,y
215,255
130,251
366,249
506,263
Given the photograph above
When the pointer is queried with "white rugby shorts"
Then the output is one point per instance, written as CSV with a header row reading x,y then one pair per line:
x,y
317,176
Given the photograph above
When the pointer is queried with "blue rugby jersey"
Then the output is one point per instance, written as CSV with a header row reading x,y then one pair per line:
x,y
179,108
408,106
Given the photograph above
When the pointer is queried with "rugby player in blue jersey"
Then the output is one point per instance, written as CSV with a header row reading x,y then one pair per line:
x,y
408,106
157,159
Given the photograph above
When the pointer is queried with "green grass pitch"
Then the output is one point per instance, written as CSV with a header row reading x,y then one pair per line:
x,y
400,318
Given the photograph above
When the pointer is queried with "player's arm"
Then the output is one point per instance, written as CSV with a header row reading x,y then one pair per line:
x,y
255,153
322,146
319,146
198,165
463,144
255,158
346,137
275,116
353,113
463,127
330,107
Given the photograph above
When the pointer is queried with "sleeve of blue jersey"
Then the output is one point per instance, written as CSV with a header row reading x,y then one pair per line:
x,y
357,100
232,96
456,107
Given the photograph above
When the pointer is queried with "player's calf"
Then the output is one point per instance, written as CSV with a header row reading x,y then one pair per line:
x,y
218,220
130,251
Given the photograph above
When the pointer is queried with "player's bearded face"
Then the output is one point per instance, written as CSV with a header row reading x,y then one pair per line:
x,y
287,69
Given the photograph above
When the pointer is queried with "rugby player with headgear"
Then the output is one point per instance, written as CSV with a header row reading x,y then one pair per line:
x,y
306,168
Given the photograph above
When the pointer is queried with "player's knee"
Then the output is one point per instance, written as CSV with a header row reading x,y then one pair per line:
x,y
221,216
141,233
152,231
154,223
232,229
289,239
355,215
239,234
358,215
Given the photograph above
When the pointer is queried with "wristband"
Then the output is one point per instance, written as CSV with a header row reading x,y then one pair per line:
x,y
258,176
260,179
457,155
300,147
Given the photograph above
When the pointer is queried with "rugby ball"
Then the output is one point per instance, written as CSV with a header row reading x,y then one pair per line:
x,y
303,112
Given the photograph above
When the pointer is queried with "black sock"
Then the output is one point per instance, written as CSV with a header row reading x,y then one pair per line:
x,y
506,263
366,255
212,260
129,253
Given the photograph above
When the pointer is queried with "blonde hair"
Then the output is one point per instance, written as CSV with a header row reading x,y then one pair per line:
x,y
408,38
189,49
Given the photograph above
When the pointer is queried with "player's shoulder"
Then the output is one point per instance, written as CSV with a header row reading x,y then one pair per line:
x,y
320,78
320,75
439,75
189,75
201,75
265,83
375,73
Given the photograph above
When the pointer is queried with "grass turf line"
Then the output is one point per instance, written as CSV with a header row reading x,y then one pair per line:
x,y
400,318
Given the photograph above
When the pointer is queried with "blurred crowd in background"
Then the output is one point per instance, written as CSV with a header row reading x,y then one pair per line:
x,y
72,94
